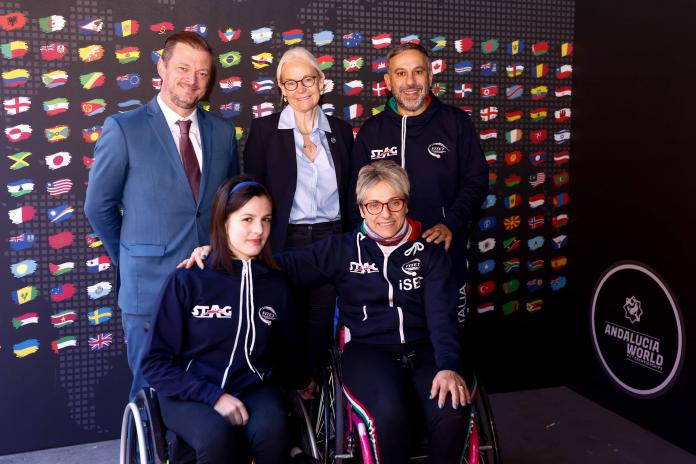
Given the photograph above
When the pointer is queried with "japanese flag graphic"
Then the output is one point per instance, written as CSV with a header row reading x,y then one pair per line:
x,y
58,160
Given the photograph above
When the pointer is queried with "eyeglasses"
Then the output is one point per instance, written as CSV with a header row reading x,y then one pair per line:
x,y
307,81
394,205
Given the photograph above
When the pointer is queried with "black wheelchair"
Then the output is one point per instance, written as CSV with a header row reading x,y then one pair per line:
x,y
145,439
338,435
143,436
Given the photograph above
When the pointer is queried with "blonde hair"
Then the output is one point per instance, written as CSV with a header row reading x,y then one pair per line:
x,y
302,54
382,171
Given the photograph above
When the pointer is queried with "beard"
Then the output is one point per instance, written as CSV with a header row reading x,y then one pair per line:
x,y
411,104
186,103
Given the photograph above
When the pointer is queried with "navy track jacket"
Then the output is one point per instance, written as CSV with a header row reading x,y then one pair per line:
x,y
405,296
441,153
216,332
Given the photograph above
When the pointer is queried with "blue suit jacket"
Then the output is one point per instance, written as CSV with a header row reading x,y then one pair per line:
x,y
140,203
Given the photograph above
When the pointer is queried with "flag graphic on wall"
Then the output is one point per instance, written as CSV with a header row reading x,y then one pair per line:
x,y
65,69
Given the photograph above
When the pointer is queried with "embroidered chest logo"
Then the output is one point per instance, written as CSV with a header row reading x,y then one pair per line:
x,y
267,315
412,267
383,153
208,312
437,149
363,268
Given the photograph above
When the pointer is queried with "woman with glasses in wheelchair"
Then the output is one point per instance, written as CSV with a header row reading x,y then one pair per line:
x,y
399,303
217,336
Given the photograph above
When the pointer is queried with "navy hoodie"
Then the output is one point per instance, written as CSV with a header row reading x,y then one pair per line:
x,y
440,150
218,332
406,296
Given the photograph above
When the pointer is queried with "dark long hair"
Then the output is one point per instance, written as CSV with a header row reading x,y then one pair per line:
x,y
227,201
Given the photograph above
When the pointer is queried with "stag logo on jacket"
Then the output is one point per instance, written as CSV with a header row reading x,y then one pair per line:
x,y
363,268
267,315
208,312
437,149
412,267
382,153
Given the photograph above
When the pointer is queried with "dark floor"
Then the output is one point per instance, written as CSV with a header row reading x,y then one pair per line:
x,y
558,426
546,426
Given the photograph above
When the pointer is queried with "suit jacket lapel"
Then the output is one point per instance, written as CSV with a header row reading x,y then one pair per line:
x,y
207,144
334,147
164,135
289,162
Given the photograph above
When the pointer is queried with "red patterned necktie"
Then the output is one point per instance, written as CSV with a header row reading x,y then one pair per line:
x,y
188,156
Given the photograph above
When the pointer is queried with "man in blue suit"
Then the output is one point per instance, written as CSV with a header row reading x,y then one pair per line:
x,y
156,170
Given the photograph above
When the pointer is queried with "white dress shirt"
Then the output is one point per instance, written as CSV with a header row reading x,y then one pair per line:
x,y
194,132
316,193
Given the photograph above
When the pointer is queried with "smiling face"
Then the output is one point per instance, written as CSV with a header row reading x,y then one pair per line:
x,y
387,223
302,99
248,228
409,79
185,77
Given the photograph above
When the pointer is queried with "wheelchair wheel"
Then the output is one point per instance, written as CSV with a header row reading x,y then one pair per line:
x,y
309,439
134,446
329,424
142,441
329,419
488,447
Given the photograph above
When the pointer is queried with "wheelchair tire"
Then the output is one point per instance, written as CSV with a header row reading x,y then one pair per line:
x,y
303,420
489,449
142,440
134,440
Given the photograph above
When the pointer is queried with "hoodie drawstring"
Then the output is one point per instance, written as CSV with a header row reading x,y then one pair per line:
x,y
415,248
251,325
403,141
246,301
359,236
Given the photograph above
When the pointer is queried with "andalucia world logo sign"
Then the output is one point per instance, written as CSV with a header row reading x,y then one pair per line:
x,y
637,329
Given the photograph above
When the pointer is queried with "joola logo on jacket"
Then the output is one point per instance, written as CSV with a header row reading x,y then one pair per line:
x,y
437,149
267,315
412,267
212,311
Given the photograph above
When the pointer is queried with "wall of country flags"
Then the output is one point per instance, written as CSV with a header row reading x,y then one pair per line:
x,y
66,65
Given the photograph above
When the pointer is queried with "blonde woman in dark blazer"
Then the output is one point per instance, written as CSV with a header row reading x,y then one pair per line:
x,y
303,157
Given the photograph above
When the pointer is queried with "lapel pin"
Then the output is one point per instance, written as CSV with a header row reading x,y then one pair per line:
x,y
333,139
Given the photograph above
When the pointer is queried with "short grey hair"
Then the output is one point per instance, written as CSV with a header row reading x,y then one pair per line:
x,y
382,171
397,49
302,54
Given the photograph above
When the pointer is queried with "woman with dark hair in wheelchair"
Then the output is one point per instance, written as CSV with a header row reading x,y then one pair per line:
x,y
217,337
397,298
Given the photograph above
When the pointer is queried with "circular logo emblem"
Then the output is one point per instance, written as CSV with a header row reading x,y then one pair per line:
x,y
637,329
412,267
267,315
437,149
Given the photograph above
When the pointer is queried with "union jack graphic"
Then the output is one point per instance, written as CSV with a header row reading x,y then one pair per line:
x,y
101,341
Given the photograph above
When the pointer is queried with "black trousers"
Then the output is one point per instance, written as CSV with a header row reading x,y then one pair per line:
x,y
389,386
315,306
215,440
